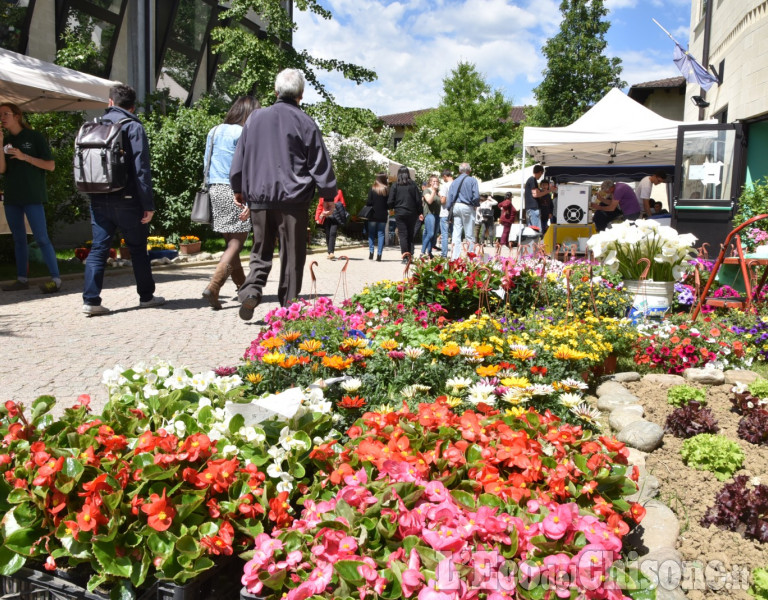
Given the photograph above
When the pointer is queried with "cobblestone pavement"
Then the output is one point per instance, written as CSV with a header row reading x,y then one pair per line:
x,y
48,346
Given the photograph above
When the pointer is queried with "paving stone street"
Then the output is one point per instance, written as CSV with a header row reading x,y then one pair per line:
x,y
50,347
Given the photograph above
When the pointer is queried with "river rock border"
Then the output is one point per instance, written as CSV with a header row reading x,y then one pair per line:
x,y
655,540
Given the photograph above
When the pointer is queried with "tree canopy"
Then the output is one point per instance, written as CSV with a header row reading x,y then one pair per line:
x,y
256,59
578,73
471,124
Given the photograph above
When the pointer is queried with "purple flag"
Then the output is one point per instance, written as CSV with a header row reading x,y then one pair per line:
x,y
692,70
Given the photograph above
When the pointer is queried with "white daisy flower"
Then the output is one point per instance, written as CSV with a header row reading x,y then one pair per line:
x,y
413,353
541,389
572,384
351,385
457,384
569,400
587,413
516,395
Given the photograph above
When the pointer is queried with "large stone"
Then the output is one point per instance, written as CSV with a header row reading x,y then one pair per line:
x,y
665,379
740,376
637,457
643,435
659,529
648,488
610,388
624,415
665,569
704,376
625,377
614,401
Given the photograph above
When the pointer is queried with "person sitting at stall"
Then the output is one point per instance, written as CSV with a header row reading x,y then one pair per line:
x,y
616,199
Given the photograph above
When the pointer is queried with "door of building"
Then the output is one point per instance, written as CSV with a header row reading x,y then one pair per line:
x,y
709,173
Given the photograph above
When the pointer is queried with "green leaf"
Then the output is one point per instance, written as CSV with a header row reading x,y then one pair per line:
x,y
119,566
273,581
41,406
122,590
158,473
490,500
236,422
465,499
22,540
10,562
347,570
18,495
581,463
143,460
188,545
474,453
160,543
189,503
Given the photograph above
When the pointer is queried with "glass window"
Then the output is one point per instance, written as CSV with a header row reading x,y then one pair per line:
x,y
110,5
177,74
85,29
708,164
13,20
191,23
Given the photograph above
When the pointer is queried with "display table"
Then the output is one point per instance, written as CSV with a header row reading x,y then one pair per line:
x,y
559,233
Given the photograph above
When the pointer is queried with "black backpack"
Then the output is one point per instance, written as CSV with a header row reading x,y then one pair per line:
x,y
100,157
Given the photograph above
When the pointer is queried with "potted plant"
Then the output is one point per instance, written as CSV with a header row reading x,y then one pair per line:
x,y
190,244
125,253
649,258
158,248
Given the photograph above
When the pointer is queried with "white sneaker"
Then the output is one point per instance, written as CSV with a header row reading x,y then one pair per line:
x,y
155,301
93,310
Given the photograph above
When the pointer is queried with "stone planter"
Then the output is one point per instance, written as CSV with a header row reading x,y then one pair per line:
x,y
192,248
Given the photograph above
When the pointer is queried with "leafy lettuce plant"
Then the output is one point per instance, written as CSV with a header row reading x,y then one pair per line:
x,y
759,587
690,420
680,395
753,427
714,453
741,508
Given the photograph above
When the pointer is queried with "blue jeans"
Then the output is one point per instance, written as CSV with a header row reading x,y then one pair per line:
x,y
429,237
36,217
446,229
376,236
463,219
108,215
533,216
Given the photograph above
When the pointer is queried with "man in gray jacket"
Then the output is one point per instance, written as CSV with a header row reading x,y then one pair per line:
x,y
279,160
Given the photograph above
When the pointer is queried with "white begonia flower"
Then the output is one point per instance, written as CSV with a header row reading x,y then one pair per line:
x,y
149,390
275,470
114,376
163,371
351,385
740,388
177,380
277,453
284,486
229,450
180,427
289,441
203,402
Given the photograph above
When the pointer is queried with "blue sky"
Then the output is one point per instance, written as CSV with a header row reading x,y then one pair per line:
x,y
413,44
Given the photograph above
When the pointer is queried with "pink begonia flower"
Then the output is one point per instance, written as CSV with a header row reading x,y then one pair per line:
x,y
412,578
485,566
559,519
591,566
347,545
291,560
446,586
525,531
444,538
435,491
529,570
357,478
357,496
398,554
400,471
446,511
250,578
411,522
598,533
532,506
557,571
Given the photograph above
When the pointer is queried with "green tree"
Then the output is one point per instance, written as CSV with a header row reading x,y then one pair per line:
x,y
256,60
471,124
578,73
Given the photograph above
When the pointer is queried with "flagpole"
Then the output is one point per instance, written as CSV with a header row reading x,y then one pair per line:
x,y
665,31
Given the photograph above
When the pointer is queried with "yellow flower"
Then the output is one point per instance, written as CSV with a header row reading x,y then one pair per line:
x,y
450,349
310,345
515,411
273,342
254,377
273,358
388,345
452,401
520,382
522,353
367,352
487,371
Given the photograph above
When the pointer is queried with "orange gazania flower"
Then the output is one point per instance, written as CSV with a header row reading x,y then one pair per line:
x,y
484,350
310,345
160,512
450,350
289,362
337,362
348,402
388,345
273,342
290,336
487,371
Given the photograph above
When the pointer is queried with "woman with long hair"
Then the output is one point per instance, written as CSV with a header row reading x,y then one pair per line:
x,y
431,211
405,198
25,158
377,224
228,219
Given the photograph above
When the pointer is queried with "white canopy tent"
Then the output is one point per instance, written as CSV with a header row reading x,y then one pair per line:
x,y
615,131
507,183
38,86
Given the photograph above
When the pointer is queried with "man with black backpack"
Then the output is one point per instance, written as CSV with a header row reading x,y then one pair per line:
x,y
124,201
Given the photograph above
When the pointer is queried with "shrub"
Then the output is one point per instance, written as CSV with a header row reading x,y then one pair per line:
x,y
714,453
759,388
753,427
752,202
690,420
680,395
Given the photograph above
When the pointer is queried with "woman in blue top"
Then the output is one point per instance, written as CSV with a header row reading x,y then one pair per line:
x,y
228,219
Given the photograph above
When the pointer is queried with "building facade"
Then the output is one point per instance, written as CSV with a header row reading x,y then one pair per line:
x,y
733,37
148,44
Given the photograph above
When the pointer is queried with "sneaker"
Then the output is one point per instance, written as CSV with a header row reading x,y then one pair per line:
x,y
94,310
16,286
50,287
248,306
153,303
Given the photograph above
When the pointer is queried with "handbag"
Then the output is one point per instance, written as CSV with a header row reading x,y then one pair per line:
x,y
365,213
201,207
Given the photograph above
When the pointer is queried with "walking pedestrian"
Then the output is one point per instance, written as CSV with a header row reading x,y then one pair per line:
x,y
231,221
130,210
377,224
331,215
446,222
431,215
405,198
279,161
24,160
463,199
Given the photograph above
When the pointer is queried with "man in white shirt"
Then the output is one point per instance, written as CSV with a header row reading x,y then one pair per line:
x,y
446,226
644,190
